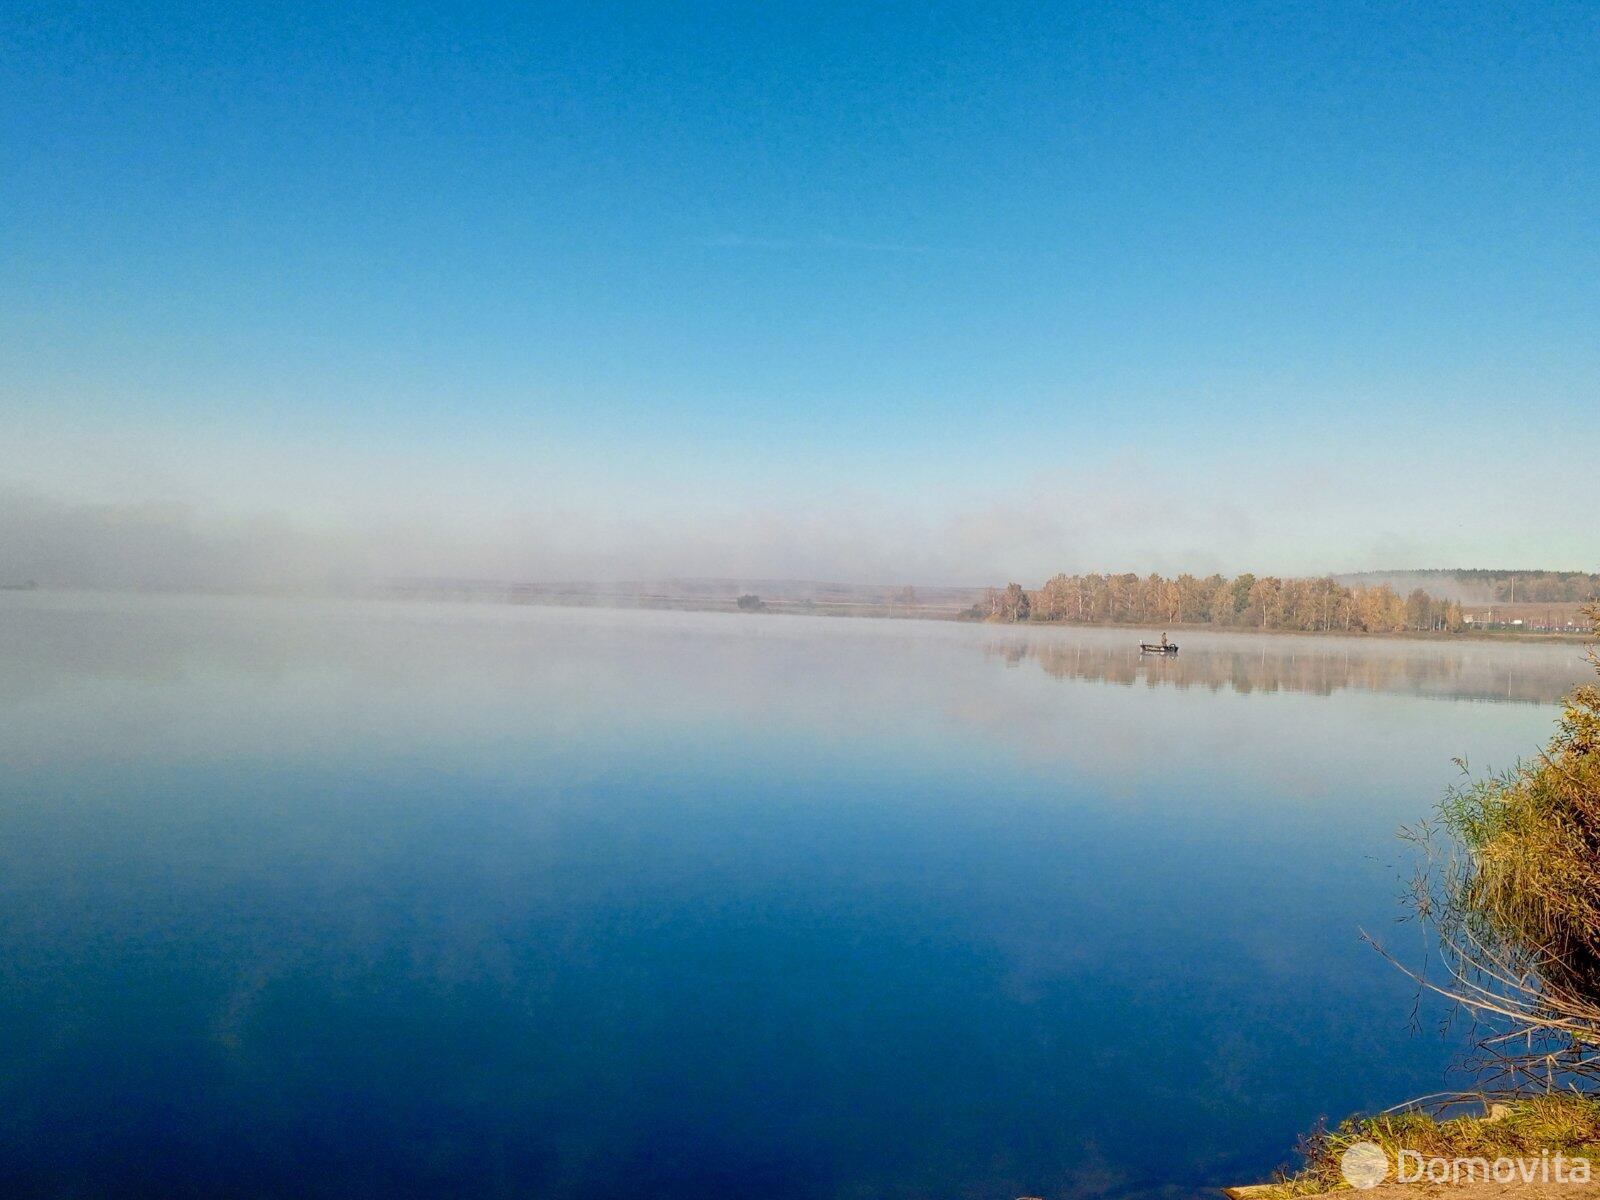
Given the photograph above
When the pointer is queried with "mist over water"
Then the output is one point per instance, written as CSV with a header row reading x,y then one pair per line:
x,y
347,898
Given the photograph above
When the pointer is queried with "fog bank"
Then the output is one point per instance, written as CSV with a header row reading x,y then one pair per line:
x,y
1099,524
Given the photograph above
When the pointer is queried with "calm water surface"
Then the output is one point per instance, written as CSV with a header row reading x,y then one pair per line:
x,y
365,900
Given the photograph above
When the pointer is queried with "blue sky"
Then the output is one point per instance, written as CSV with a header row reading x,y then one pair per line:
x,y
873,292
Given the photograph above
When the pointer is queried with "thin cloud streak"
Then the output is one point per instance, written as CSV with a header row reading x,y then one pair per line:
x,y
825,241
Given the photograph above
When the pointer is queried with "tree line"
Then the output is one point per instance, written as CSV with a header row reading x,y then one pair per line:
x,y
1243,602
1534,587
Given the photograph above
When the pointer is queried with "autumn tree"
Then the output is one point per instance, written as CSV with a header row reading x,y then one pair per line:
x,y
1014,603
1268,602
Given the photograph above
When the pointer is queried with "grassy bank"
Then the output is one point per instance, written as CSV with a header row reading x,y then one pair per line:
x,y
1561,1123
1511,893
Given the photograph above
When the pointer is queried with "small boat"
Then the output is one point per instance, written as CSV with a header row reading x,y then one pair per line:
x,y
1161,647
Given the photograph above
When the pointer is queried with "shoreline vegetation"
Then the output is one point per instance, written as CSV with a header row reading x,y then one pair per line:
x,y
1513,1144
1508,891
1500,605
1360,612
1269,604
1514,605
1509,606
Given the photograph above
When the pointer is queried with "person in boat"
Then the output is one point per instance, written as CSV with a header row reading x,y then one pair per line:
x,y
1163,641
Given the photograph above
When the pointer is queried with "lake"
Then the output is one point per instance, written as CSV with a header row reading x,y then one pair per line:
x,y
344,899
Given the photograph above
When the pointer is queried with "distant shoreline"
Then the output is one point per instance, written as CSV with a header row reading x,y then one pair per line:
x,y
872,610
937,612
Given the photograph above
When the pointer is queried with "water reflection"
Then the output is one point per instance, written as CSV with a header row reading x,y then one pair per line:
x,y
504,901
1535,673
